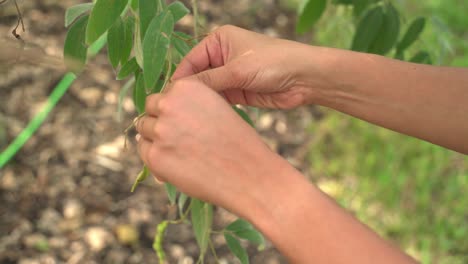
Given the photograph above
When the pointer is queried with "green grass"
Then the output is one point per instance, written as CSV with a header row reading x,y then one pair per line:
x,y
408,190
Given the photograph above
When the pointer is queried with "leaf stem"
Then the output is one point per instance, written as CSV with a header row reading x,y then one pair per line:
x,y
195,18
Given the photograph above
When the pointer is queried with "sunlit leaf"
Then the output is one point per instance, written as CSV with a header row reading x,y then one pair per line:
x,y
368,29
103,16
155,47
309,12
76,11
236,248
75,49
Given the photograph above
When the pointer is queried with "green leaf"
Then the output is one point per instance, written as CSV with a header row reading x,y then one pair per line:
x,y
245,230
244,115
141,177
422,57
134,4
171,192
115,43
389,31
147,11
343,2
368,29
309,12
140,94
181,202
182,47
75,49
239,224
74,12
202,219
178,10
359,6
137,45
412,34
103,16
128,68
155,47
129,26
236,248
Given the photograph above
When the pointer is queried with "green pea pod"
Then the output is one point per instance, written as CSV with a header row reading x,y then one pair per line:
x,y
141,177
368,29
158,241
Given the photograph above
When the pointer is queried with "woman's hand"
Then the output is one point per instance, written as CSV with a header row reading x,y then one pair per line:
x,y
252,69
192,138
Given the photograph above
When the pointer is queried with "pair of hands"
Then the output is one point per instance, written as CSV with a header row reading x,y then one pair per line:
x,y
193,139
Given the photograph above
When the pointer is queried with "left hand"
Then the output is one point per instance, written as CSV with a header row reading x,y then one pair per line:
x,y
193,139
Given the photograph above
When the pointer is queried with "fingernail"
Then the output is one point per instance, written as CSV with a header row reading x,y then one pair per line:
x,y
138,137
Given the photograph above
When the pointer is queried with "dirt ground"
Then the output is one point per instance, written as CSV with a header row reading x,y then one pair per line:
x,y
65,197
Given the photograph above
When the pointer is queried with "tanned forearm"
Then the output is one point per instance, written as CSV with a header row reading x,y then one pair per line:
x,y
309,227
427,102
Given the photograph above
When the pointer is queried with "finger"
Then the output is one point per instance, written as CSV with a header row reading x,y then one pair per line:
x,y
152,104
222,78
207,54
144,146
145,127
144,150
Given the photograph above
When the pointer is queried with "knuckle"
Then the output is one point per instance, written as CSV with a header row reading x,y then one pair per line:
x,y
164,105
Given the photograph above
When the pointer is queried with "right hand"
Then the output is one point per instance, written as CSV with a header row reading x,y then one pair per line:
x,y
251,69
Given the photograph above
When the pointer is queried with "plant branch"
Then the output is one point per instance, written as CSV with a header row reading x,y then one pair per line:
x,y
195,18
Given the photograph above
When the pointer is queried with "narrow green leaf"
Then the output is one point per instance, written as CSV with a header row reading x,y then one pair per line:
x,y
129,26
128,68
148,9
140,94
251,235
244,115
182,47
309,12
171,192
412,34
422,57
245,230
343,2
181,202
103,16
75,49
155,47
239,224
178,10
236,248
141,177
74,12
115,43
389,31
202,219
368,29
138,45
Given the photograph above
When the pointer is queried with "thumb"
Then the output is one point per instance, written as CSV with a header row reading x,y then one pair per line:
x,y
221,78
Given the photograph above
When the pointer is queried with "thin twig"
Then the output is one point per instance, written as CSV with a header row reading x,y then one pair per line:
x,y
20,21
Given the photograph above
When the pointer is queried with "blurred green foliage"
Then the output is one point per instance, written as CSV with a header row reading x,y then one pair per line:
x,y
410,191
